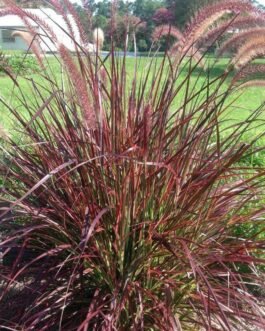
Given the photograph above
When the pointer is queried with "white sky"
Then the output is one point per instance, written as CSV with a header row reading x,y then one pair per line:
x,y
76,1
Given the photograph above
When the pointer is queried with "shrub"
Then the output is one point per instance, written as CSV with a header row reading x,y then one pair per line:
x,y
142,45
19,64
124,204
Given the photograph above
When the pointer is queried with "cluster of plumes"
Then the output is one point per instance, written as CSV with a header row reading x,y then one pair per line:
x,y
251,49
238,39
189,41
239,21
244,42
210,14
246,46
120,209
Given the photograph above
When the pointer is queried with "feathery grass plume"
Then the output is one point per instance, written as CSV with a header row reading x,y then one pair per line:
x,y
167,30
250,50
201,31
239,22
72,26
207,23
80,86
249,71
78,23
98,37
250,75
252,83
6,11
210,14
178,50
239,39
130,225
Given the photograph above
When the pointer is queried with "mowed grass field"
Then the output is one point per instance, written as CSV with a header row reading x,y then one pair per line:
x,y
243,102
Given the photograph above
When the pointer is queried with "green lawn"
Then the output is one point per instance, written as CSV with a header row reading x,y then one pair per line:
x,y
247,100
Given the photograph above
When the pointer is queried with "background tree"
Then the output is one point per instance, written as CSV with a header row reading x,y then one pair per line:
x,y
145,10
99,14
184,9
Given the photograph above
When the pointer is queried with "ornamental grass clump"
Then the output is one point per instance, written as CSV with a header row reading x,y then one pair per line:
x,y
119,205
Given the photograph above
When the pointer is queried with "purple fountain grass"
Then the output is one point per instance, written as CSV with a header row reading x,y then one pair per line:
x,y
253,83
251,49
208,15
165,30
250,75
209,26
239,22
80,87
249,71
121,206
239,39
202,30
